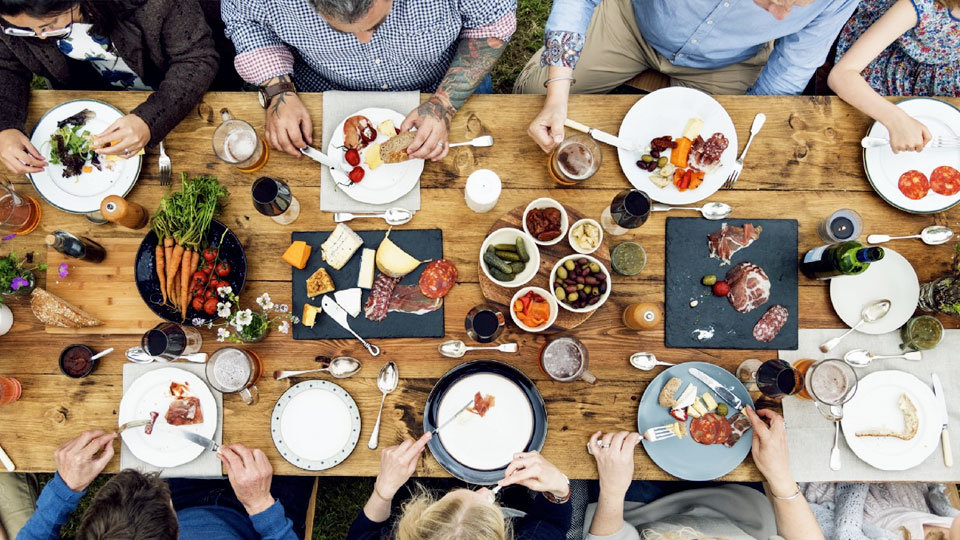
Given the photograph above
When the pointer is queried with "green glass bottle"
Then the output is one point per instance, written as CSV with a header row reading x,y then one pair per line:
x,y
841,259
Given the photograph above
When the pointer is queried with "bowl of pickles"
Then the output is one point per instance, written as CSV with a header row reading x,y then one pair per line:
x,y
509,257
580,283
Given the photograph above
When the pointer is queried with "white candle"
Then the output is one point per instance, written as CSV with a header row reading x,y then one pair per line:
x,y
482,191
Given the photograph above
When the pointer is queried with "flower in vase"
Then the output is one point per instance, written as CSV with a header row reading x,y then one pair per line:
x,y
265,302
243,318
18,282
223,309
62,270
284,327
222,334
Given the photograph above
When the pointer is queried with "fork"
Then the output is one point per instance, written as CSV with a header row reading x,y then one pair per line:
x,y
758,121
938,141
164,163
654,434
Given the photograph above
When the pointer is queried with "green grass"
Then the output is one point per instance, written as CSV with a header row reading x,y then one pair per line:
x,y
531,18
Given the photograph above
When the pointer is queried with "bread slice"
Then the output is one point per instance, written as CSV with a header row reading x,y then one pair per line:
x,y
667,397
52,310
319,283
911,423
394,149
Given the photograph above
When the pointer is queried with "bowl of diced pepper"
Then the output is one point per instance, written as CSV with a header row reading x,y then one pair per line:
x,y
533,309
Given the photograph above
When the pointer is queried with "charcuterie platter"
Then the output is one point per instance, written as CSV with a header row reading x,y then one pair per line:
x,y
549,255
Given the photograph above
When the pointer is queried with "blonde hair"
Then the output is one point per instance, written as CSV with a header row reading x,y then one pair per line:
x,y
424,517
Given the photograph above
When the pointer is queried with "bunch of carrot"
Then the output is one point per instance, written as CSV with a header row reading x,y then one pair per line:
x,y
181,223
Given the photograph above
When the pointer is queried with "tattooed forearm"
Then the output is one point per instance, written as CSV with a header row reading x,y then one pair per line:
x,y
279,100
472,62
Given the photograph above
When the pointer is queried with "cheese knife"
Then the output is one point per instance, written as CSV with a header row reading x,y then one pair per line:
x,y
944,434
340,315
603,136
724,392
322,158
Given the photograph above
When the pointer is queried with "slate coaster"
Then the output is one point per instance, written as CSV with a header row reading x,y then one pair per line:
x,y
420,243
688,260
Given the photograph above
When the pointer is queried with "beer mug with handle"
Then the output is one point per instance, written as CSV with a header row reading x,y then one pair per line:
x,y
233,370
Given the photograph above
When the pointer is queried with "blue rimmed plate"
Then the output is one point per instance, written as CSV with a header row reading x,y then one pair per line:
x,y
315,425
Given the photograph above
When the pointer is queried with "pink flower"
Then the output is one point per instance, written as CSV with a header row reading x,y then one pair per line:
x,y
62,270
9,237
18,282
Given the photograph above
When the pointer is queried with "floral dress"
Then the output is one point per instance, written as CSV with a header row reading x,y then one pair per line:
x,y
80,44
925,61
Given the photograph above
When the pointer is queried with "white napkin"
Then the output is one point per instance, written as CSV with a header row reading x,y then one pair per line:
x,y
207,465
337,107
810,435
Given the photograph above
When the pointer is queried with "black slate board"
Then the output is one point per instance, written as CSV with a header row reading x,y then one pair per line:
x,y
420,243
688,260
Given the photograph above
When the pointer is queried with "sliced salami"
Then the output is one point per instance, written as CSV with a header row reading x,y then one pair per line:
x,y
770,324
738,427
724,428
438,278
704,430
914,185
945,181
378,304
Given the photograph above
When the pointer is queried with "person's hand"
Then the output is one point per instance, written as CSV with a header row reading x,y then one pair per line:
x,y
907,134
432,120
531,470
125,137
81,459
250,475
770,450
614,455
547,128
397,465
288,126
18,154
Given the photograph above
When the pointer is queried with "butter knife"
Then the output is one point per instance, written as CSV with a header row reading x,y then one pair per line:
x,y
603,136
722,391
338,314
446,422
199,440
322,158
945,419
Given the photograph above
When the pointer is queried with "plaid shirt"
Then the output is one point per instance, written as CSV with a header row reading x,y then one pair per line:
x,y
411,50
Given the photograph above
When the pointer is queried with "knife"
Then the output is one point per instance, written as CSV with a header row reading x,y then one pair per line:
x,y
724,392
944,434
602,136
322,158
337,313
199,440
437,429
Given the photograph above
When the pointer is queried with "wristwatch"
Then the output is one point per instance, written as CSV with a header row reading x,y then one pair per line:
x,y
267,93
552,498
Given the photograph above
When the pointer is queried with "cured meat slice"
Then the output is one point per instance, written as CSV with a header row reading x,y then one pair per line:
x,y
749,287
438,278
945,181
770,324
705,155
704,430
148,429
729,239
723,428
481,404
738,427
409,299
184,411
378,303
914,185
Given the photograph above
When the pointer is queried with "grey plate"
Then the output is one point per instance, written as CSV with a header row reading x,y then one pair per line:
x,y
287,452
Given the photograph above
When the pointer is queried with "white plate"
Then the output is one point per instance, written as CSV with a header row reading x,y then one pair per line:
x,y
666,112
876,406
884,168
892,278
389,181
315,425
486,443
81,194
151,392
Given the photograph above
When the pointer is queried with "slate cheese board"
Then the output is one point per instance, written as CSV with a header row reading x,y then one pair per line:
x,y
423,244
688,260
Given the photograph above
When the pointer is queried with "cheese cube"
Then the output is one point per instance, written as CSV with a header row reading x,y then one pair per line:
x,y
700,408
310,315
709,401
340,246
367,268
372,156
297,254
693,413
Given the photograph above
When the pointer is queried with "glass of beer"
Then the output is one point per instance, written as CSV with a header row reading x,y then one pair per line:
x,y
237,143
233,370
574,160
10,390
565,359
272,197
830,383
169,341
19,214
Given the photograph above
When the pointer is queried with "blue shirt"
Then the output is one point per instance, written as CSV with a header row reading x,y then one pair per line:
x,y
710,34
57,502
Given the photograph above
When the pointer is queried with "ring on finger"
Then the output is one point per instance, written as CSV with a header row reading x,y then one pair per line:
x,y
126,151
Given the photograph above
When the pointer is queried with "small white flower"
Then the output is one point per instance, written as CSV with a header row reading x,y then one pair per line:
x,y
283,308
284,327
225,290
223,309
244,317
222,334
197,321
264,301
295,319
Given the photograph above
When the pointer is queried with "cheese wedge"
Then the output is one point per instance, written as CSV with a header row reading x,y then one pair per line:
x,y
372,156
700,408
319,283
692,131
349,300
393,261
367,269
310,313
297,254
340,246
679,429
386,128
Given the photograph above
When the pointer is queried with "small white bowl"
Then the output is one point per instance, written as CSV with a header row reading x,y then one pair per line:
x,y
603,297
509,235
554,309
547,202
573,243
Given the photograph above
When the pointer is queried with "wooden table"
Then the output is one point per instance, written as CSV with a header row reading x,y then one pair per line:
x,y
806,163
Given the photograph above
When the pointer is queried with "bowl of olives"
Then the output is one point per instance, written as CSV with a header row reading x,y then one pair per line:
x,y
580,283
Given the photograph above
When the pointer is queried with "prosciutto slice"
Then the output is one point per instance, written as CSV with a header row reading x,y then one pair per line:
x,y
739,425
749,287
730,239
482,404
705,154
410,299
184,411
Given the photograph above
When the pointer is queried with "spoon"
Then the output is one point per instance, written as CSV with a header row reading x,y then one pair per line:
x,y
340,367
934,235
456,348
871,312
387,382
837,412
393,216
646,361
101,354
712,211
482,141
139,356
862,357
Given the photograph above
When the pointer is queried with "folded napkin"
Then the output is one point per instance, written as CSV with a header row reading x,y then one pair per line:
x,y
810,435
337,107
207,465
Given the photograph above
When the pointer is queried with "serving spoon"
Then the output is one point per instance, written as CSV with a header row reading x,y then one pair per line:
x,y
480,142
711,211
393,216
933,235
340,367
646,361
862,357
870,313
456,348
387,382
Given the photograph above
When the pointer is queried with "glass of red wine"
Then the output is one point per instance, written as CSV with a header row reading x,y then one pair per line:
x,y
272,198
169,341
628,210
484,324
774,378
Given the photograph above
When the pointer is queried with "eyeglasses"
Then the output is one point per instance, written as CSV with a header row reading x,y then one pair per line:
x,y
23,32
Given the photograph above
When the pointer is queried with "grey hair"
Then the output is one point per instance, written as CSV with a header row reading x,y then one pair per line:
x,y
348,11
